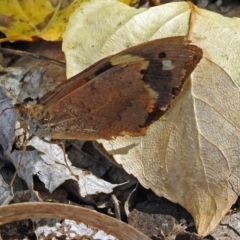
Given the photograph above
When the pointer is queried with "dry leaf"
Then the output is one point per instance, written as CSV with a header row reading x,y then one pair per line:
x,y
96,12
29,19
191,155
50,168
108,224
6,193
69,229
7,114
229,227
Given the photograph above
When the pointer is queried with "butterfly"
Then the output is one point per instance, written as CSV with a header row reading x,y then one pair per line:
x,y
120,95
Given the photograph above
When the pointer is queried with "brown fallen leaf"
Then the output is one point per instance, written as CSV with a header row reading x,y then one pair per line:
x,y
53,210
191,155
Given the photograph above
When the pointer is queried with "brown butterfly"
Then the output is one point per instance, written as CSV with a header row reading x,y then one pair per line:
x,y
118,95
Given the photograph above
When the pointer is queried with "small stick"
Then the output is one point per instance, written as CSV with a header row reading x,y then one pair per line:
x,y
116,207
62,146
32,55
19,165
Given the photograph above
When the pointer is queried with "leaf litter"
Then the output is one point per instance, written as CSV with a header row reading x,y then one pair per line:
x,y
43,168
120,32
194,147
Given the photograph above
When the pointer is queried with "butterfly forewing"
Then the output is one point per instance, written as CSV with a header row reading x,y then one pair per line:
x,y
121,94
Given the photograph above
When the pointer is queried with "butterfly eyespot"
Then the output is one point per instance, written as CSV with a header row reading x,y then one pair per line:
x,y
104,68
162,55
175,91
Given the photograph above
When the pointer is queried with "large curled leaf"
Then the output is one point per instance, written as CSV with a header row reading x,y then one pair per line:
x,y
191,155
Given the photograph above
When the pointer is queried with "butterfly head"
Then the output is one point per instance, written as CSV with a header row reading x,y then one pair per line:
x,y
32,116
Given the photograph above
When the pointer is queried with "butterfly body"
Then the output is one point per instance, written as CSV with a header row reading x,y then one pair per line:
x,y
119,95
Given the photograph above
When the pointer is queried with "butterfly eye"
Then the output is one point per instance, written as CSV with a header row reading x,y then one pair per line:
x,y
162,55
46,118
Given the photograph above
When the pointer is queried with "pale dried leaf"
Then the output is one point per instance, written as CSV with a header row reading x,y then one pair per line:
x,y
229,228
92,14
70,229
25,82
7,115
191,155
49,166
6,194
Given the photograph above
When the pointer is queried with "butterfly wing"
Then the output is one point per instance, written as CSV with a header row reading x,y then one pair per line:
x,y
121,94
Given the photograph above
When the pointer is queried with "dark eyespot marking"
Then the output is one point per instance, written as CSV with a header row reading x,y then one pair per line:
x,y
176,91
162,55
